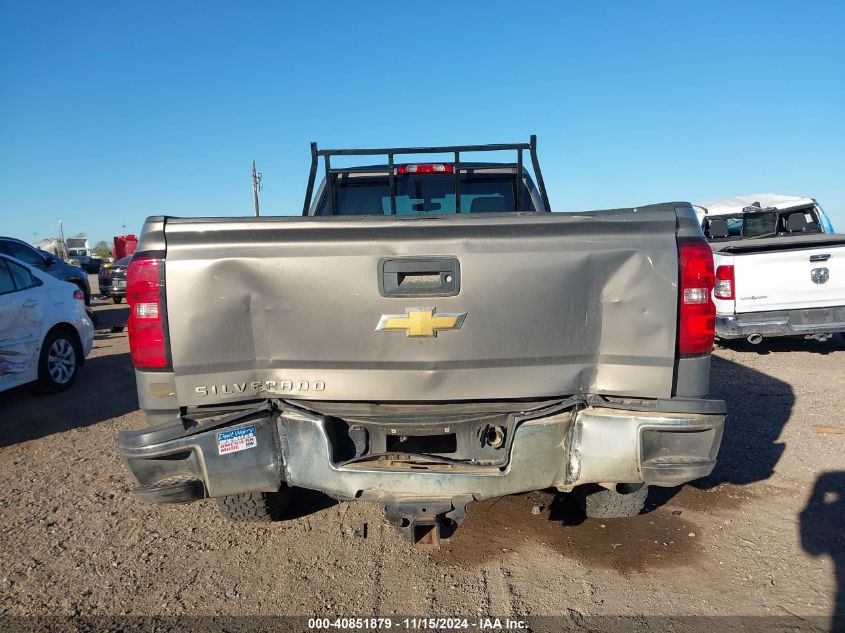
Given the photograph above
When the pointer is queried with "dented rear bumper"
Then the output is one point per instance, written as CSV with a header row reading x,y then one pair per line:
x,y
661,442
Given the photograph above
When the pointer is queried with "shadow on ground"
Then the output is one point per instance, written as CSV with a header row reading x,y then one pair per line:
x,y
304,502
104,389
759,406
822,522
110,316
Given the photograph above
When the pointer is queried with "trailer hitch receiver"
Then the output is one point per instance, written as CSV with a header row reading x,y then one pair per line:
x,y
425,521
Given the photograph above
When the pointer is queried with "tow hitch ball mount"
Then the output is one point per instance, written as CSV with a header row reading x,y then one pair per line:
x,y
425,521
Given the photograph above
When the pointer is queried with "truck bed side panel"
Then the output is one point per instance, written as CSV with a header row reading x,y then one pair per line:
x,y
555,304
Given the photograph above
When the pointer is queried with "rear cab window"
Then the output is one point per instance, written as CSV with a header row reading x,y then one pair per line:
x,y
427,194
760,224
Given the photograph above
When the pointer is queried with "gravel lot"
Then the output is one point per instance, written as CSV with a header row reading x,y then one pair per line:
x,y
762,536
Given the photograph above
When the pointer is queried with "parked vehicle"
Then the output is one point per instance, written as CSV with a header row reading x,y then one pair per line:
x,y
780,270
112,280
87,263
51,245
45,333
732,210
124,245
77,247
452,342
47,263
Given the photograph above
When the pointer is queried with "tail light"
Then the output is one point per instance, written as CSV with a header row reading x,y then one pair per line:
x,y
432,168
724,282
697,322
79,296
144,293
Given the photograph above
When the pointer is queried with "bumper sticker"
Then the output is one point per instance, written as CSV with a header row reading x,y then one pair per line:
x,y
236,440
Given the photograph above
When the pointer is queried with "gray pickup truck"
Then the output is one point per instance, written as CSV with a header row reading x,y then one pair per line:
x,y
426,335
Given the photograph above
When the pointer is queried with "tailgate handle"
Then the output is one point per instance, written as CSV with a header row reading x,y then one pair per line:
x,y
823,257
419,277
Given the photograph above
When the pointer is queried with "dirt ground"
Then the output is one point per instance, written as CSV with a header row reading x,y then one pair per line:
x,y
762,536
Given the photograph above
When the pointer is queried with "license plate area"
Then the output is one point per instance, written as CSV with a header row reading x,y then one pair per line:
x,y
477,440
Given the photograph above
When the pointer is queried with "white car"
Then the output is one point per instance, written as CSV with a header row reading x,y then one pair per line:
x,y
45,333
780,269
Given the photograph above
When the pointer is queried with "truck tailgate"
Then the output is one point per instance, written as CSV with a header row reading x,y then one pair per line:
x,y
543,305
811,277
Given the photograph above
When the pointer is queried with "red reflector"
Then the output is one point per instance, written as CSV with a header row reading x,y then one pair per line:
x,y
724,282
144,288
432,168
697,310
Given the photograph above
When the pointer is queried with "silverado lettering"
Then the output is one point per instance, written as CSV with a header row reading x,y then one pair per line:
x,y
258,385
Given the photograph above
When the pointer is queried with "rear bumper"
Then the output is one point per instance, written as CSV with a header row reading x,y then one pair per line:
x,y
85,329
559,448
782,323
110,291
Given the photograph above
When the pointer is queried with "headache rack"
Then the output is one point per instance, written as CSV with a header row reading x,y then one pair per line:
x,y
390,152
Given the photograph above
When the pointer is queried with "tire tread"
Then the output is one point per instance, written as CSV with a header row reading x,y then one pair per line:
x,y
262,507
609,504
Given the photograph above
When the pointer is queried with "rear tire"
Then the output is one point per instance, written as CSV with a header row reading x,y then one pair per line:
x,y
262,507
600,503
58,363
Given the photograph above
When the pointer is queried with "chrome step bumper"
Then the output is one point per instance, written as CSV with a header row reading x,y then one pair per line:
x,y
806,322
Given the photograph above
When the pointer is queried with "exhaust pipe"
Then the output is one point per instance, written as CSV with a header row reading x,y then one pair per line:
x,y
755,338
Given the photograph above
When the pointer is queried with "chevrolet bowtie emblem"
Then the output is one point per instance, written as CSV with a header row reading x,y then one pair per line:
x,y
421,322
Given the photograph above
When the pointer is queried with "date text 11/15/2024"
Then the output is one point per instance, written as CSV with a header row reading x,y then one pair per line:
x,y
416,624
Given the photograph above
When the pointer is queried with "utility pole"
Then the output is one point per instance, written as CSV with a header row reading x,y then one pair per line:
x,y
62,232
256,186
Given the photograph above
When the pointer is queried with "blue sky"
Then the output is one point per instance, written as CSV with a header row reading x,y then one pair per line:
x,y
112,111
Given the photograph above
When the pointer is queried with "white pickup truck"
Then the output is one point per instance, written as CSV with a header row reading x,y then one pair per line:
x,y
780,268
